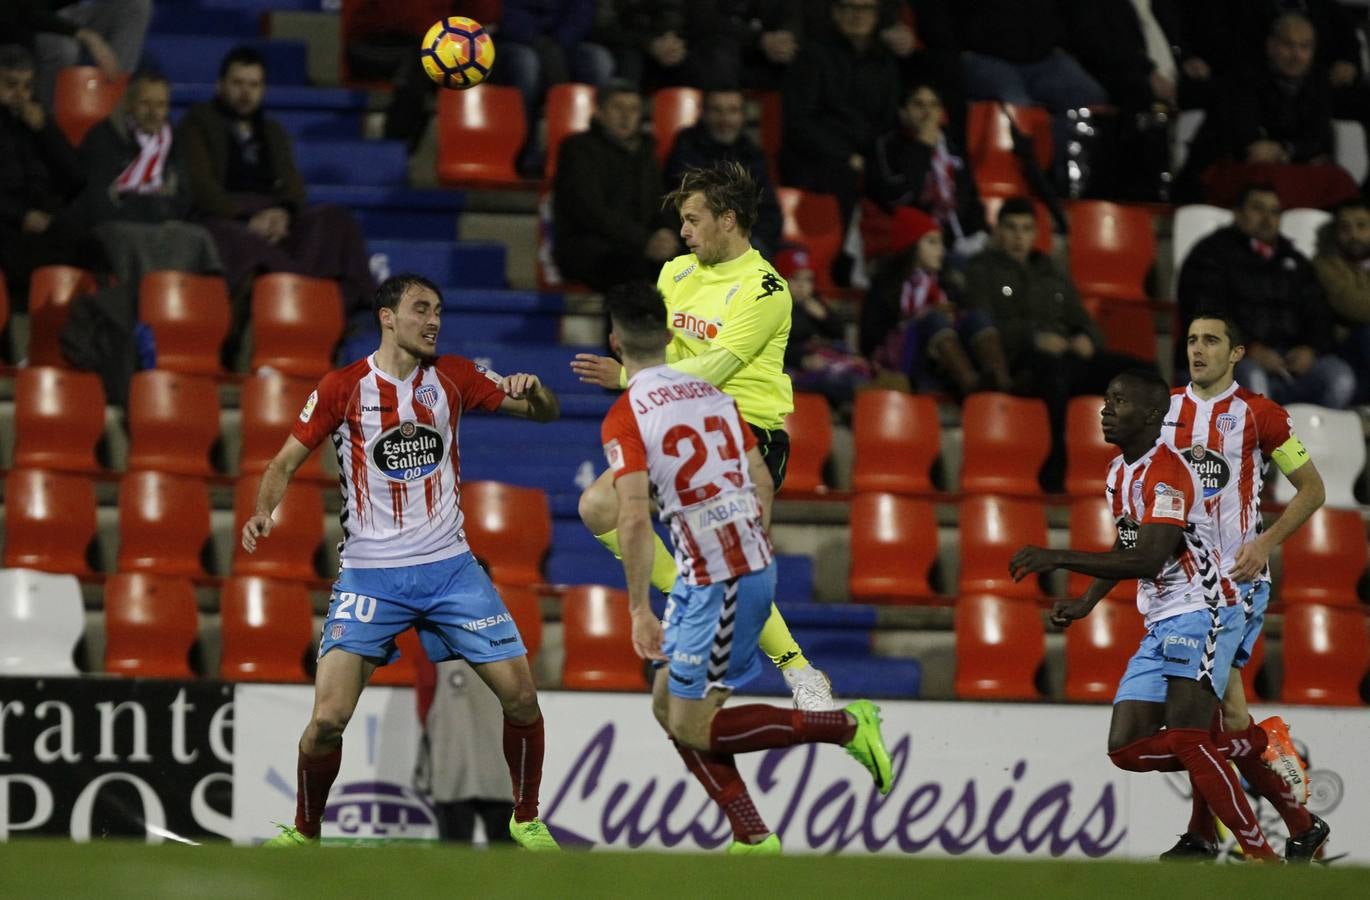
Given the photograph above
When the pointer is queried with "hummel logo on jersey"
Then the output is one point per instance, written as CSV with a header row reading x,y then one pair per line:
x,y
379,409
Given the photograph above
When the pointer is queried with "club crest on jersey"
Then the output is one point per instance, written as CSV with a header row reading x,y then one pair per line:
x,y
307,413
695,326
1227,422
1212,468
337,630
408,451
427,395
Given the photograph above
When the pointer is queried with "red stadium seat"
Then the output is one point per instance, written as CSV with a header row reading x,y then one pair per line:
x,y
992,530
1127,326
163,523
1326,652
289,551
567,110
401,672
989,142
82,98
1045,227
151,623
59,418
297,321
815,221
52,290
189,317
266,629
597,636
1000,643
525,606
673,109
1112,249
479,136
1087,453
893,548
810,431
897,439
1005,442
1098,648
771,126
1093,530
509,529
270,405
49,521
173,422
1324,559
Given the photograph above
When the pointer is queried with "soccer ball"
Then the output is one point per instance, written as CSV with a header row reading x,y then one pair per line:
x,y
457,52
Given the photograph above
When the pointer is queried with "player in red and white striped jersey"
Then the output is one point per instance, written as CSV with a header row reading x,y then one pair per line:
x,y
678,439
1170,691
393,420
1228,435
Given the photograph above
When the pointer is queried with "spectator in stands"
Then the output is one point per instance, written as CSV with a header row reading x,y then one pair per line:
x,y
1343,269
910,326
922,36
818,358
608,225
1055,350
110,32
918,164
841,93
1274,124
1253,274
246,189
719,137
380,38
649,41
137,195
39,175
743,42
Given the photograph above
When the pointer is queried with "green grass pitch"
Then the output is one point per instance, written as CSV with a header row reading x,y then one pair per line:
x,y
60,869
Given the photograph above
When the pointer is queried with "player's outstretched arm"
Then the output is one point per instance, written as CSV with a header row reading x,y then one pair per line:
x,y
272,489
1309,494
765,485
527,397
1063,612
1155,544
604,371
635,542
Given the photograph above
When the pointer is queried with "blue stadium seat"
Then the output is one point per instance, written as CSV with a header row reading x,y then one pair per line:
x,y
876,677
185,92
397,213
304,124
183,57
470,264
352,162
794,578
487,300
189,18
576,557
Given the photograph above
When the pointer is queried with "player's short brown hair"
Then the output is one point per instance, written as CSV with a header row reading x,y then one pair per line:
x,y
725,186
638,314
392,289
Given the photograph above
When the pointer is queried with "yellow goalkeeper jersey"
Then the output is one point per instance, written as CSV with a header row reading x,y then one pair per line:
x,y
744,307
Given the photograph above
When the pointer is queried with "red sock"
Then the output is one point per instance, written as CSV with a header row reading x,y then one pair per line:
x,y
1272,787
1148,754
1250,741
523,748
1201,823
721,781
743,729
1215,780
314,777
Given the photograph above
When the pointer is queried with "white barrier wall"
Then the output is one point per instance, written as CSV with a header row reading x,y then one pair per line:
x,y
1013,780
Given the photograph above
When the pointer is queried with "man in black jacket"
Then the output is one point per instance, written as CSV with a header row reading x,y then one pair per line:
x,y
718,137
1251,273
608,225
39,175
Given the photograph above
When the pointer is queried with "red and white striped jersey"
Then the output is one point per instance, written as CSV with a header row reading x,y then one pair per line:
x,y
1227,440
689,438
1160,488
397,453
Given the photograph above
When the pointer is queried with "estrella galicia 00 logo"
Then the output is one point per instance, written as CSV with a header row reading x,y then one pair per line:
x,y
1211,467
408,451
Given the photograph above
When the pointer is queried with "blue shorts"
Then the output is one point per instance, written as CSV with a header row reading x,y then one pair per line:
x,y
451,603
1197,645
1255,598
711,632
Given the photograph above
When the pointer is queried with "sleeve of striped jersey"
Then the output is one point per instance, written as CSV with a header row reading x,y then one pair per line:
x,y
757,321
479,386
322,412
623,447
748,436
1276,430
1169,493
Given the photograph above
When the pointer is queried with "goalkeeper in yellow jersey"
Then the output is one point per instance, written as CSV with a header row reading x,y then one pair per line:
x,y
730,319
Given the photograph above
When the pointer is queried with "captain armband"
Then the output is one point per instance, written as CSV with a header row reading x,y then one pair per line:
x,y
1290,455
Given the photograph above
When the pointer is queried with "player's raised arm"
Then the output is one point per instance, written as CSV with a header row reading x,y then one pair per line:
x,y
527,397
272,489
